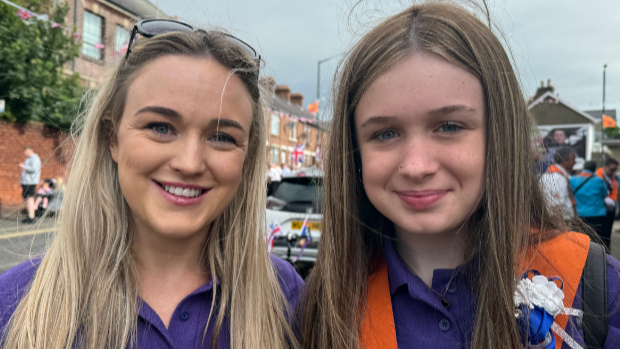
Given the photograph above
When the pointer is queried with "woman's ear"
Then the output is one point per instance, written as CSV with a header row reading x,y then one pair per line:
x,y
114,151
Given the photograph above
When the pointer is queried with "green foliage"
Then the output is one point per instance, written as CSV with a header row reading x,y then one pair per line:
x,y
32,56
611,132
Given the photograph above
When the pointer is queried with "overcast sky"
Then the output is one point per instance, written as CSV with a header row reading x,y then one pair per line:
x,y
567,41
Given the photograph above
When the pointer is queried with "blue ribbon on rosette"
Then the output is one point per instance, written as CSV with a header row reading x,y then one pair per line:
x,y
538,327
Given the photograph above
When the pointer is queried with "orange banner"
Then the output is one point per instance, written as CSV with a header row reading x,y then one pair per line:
x,y
608,122
314,107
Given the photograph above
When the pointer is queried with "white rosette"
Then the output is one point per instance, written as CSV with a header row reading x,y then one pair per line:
x,y
540,292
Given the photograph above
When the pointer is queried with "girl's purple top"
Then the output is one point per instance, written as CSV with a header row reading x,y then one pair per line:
x,y
188,321
422,322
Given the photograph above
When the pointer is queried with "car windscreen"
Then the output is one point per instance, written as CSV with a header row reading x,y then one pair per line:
x,y
301,194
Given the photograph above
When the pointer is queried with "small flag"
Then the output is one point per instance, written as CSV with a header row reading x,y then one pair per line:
x,y
56,25
298,153
305,238
314,107
319,154
608,121
274,231
24,14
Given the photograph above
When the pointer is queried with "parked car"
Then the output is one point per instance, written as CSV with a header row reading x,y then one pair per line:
x,y
299,196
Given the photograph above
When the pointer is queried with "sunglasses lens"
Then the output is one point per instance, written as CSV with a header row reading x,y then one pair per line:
x,y
247,48
157,27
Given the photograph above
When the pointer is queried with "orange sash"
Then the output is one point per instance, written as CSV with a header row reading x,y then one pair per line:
x,y
614,184
563,256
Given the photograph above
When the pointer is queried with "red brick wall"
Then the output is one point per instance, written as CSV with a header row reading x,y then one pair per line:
x,y
52,146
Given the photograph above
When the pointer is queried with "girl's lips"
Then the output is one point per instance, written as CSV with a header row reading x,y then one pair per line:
x,y
181,200
422,199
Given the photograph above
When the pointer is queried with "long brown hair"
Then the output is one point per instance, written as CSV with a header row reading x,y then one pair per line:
x,y
85,288
353,230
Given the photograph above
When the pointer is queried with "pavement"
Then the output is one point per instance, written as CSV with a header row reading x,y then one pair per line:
x,y
19,242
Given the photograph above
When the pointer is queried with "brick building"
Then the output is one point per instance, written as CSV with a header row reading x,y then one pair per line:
x,y
104,28
289,125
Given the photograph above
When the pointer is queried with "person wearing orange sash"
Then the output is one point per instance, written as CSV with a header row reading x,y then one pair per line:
x,y
608,174
435,228
555,182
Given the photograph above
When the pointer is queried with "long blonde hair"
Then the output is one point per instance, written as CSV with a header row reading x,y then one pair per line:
x,y
352,230
85,292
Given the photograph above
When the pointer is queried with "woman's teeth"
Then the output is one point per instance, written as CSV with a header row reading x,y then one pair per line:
x,y
188,193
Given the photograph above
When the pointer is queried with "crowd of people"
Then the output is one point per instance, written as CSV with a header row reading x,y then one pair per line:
x,y
591,195
436,231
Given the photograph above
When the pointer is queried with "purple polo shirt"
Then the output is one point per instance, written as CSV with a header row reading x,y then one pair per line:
x,y
188,320
422,322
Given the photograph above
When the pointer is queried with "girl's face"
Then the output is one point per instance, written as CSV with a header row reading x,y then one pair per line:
x,y
181,144
421,133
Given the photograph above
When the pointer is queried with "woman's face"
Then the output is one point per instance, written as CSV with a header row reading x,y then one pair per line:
x,y
421,133
181,144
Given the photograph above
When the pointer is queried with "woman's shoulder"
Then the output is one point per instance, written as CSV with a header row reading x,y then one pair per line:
x,y
290,282
13,285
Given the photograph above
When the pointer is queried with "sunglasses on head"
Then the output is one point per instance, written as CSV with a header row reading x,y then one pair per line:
x,y
149,28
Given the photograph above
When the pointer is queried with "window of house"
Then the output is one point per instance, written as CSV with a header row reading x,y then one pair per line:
x,y
292,132
92,35
283,157
274,155
121,38
275,125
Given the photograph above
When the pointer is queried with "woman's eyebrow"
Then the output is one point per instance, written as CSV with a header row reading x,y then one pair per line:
x,y
226,123
173,114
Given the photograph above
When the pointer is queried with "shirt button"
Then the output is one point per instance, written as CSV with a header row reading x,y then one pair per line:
x,y
452,288
444,325
184,315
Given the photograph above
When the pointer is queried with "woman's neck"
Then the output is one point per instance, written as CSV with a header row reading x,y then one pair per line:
x,y
423,253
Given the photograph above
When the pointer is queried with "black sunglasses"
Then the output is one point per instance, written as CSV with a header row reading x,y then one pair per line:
x,y
149,28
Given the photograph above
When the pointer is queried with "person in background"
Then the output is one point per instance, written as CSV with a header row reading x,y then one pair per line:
x,y
275,177
608,174
31,174
286,171
43,195
590,192
555,182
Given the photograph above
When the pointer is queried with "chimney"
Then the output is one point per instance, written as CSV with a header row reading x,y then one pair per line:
x,y
298,99
542,89
284,92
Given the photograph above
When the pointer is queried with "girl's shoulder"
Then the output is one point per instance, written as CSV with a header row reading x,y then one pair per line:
x,y
290,282
13,284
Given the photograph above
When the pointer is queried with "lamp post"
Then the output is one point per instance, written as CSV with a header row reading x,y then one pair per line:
x,y
604,68
318,74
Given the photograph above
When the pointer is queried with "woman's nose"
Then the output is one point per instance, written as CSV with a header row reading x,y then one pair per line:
x,y
190,156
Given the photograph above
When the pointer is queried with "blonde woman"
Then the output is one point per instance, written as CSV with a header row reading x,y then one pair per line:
x,y
434,222
160,241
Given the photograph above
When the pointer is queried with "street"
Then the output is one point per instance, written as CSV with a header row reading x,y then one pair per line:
x,y
19,242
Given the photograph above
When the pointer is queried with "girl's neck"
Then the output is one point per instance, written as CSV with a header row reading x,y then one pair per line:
x,y
423,253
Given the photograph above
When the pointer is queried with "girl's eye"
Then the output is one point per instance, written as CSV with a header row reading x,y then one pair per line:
x,y
450,127
384,135
159,128
223,138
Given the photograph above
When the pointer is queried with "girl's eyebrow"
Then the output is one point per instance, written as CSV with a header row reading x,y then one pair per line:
x,y
377,120
435,112
451,109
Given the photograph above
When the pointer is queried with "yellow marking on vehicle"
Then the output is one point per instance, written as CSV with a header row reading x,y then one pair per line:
x,y
26,233
296,225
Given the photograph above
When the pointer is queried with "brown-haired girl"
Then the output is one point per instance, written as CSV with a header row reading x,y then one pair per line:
x,y
434,224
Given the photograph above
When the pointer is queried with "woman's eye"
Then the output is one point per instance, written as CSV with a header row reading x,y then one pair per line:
x,y
161,129
385,135
450,127
223,138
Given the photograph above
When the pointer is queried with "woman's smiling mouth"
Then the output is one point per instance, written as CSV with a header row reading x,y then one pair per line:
x,y
181,194
421,199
